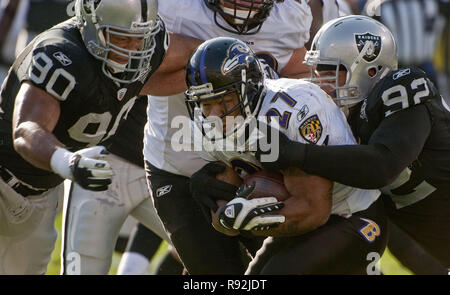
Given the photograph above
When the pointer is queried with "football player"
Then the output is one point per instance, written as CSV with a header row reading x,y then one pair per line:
x,y
416,43
66,93
277,31
225,80
401,121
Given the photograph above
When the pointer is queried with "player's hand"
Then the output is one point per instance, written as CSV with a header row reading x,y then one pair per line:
x,y
206,189
254,214
89,171
85,167
272,148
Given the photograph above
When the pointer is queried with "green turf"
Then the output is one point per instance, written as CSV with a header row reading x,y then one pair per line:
x,y
389,265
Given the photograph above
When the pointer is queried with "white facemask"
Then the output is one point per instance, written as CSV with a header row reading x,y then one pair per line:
x,y
239,13
116,67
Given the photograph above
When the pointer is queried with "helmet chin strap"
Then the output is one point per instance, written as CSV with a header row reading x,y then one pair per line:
x,y
116,67
239,13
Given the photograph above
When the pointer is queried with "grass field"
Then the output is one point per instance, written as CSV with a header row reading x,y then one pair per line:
x,y
388,263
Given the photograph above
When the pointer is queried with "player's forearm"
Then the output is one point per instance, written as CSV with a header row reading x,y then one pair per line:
x,y
35,144
295,69
395,144
169,79
307,207
362,166
165,84
178,53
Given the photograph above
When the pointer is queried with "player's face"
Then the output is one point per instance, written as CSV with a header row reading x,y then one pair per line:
x,y
219,107
242,8
328,85
239,2
125,42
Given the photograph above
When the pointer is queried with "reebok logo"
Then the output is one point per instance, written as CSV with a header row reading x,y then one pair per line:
x,y
62,58
401,73
229,212
163,190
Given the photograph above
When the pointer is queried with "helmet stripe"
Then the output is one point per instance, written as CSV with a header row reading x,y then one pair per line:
x,y
202,65
193,81
144,9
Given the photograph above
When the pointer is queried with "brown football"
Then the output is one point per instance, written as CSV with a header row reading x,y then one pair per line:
x,y
268,184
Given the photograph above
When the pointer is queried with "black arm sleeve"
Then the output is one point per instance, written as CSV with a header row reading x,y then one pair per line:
x,y
394,145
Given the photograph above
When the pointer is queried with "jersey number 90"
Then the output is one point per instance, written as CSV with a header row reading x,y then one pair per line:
x,y
39,70
60,85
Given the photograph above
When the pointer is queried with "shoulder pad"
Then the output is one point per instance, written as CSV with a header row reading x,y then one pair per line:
x,y
58,65
303,110
400,89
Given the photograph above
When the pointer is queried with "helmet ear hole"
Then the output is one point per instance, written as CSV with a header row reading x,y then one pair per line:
x,y
372,72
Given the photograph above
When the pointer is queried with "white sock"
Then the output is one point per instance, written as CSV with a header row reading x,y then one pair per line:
x,y
133,263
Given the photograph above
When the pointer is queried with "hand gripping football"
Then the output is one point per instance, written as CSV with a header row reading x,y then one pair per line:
x,y
267,184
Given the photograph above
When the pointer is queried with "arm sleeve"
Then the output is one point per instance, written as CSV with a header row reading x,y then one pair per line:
x,y
394,145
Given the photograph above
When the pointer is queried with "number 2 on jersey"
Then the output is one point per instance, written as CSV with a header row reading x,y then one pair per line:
x,y
396,97
286,116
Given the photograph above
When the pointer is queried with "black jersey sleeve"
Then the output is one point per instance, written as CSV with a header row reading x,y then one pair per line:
x,y
395,144
162,44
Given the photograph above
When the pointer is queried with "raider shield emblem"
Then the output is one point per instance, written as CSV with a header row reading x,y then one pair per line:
x,y
373,43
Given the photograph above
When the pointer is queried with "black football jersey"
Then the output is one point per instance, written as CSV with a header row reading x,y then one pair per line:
x,y
92,106
400,90
128,142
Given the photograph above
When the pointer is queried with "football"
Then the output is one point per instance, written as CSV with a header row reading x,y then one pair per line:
x,y
229,175
268,184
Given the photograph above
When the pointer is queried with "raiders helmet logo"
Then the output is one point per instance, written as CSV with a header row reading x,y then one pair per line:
x,y
311,130
236,56
371,45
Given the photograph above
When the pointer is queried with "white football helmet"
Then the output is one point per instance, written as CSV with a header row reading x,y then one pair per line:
x,y
98,20
362,45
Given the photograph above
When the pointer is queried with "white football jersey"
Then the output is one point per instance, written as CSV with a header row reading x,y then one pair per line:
x,y
286,29
305,114
333,9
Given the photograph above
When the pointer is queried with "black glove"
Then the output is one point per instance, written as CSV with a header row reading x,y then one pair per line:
x,y
206,189
275,151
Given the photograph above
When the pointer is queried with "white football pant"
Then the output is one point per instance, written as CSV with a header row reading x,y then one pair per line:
x,y
27,230
92,220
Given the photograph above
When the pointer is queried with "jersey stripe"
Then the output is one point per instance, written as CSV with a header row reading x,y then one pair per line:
x,y
202,66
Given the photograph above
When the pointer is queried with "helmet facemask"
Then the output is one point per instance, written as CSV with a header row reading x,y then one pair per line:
x,y
248,103
343,94
138,60
246,17
99,34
